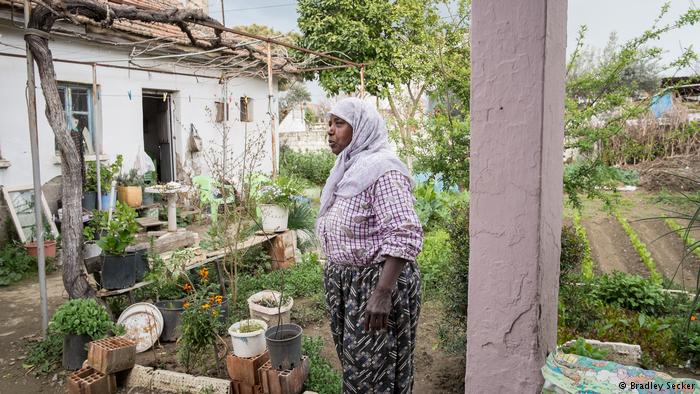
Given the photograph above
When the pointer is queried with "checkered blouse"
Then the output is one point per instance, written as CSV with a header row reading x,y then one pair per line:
x,y
378,222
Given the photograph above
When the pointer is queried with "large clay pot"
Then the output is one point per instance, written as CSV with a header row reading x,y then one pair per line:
x,y
49,248
130,195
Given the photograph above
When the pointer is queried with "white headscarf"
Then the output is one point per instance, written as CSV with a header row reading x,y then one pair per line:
x,y
368,157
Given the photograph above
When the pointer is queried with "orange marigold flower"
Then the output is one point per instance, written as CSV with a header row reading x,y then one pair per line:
x,y
204,272
219,299
205,306
186,305
187,287
215,313
693,318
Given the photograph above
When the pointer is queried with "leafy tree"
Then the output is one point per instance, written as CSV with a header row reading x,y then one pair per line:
x,y
598,102
408,48
296,95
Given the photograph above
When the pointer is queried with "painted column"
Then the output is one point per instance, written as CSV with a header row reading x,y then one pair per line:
x,y
517,109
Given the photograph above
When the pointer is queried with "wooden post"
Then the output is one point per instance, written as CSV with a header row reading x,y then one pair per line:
x,y
34,144
516,167
362,81
269,110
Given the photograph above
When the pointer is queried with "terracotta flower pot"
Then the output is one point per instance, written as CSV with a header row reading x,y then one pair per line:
x,y
130,195
49,248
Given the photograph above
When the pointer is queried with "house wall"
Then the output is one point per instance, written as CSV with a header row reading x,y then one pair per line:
x,y
120,115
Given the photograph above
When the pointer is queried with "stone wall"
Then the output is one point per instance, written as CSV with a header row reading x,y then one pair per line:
x,y
314,139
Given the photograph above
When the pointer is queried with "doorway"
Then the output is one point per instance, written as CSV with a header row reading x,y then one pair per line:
x,y
158,133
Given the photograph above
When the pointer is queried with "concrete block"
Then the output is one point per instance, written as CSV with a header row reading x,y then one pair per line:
x,y
245,369
111,355
621,353
284,382
143,378
90,381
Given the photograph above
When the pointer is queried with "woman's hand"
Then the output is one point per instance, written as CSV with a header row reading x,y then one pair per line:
x,y
378,309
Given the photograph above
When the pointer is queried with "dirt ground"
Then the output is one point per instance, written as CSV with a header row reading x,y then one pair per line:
x,y
20,322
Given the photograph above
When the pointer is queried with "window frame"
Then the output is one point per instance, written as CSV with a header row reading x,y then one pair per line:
x,y
65,88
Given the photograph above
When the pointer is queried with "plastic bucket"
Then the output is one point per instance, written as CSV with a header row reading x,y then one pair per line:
x,y
274,218
284,343
171,311
141,264
248,344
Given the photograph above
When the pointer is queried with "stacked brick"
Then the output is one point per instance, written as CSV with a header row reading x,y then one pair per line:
x,y
106,358
255,375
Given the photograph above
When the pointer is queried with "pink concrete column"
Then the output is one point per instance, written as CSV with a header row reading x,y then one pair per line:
x,y
517,108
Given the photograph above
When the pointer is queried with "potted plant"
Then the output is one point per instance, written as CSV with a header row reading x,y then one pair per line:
x,y
80,321
274,199
265,305
107,174
130,190
49,243
118,268
170,287
248,337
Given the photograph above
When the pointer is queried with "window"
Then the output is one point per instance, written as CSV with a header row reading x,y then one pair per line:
x,y
77,106
246,105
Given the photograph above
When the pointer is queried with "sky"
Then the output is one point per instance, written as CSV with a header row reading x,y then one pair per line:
x,y
628,18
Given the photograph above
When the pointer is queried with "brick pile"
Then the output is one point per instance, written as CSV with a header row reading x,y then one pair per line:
x,y
107,358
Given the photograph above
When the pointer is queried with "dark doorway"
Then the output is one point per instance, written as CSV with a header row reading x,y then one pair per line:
x,y
157,132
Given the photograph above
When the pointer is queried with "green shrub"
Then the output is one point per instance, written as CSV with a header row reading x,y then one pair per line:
x,y
456,286
77,317
435,260
631,292
312,166
323,379
15,263
82,317
686,338
573,252
582,348
587,260
44,356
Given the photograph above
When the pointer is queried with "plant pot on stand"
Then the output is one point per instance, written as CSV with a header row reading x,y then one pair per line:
x,y
130,195
264,305
274,218
284,344
248,337
118,271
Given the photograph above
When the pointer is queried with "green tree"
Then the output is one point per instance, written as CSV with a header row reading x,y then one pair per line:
x,y
599,101
408,47
296,95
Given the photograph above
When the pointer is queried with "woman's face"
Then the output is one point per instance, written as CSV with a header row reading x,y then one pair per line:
x,y
339,134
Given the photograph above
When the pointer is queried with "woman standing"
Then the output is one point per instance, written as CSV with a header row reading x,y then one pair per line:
x,y
371,236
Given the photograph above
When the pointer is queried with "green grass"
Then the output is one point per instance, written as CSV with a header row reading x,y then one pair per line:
x,y
641,249
323,379
587,261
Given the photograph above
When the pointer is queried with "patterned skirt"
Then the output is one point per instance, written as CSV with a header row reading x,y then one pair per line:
x,y
375,361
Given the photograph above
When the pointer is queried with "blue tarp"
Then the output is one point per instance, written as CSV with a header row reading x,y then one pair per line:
x,y
661,104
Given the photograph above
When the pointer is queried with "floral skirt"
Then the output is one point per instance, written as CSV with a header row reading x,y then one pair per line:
x,y
375,361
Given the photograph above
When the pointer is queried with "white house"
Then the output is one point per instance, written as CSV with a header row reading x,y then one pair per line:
x,y
151,96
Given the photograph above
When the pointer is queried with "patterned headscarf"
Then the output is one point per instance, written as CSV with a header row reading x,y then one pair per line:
x,y
368,157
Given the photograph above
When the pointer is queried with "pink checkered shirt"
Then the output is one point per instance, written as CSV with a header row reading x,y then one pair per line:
x,y
378,222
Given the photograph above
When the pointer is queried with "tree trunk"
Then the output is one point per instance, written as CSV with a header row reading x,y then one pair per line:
x,y
74,280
